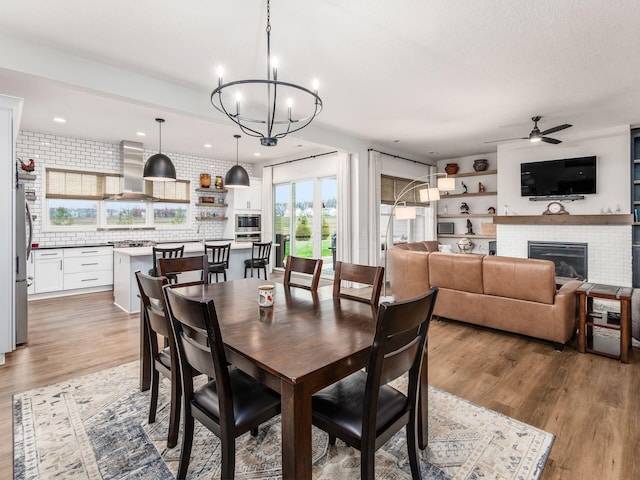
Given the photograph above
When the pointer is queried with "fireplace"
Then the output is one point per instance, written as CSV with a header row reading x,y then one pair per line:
x,y
570,258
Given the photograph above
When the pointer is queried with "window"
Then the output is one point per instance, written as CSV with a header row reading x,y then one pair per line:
x,y
119,213
75,213
172,208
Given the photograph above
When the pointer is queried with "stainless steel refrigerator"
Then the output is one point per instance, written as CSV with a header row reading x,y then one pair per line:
x,y
24,236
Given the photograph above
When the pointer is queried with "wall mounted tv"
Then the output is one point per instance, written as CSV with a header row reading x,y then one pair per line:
x,y
569,176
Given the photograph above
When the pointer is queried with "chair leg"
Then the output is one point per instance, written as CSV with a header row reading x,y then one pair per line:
x,y
174,416
245,272
228,467
153,406
332,440
265,272
367,465
224,275
187,442
412,447
254,432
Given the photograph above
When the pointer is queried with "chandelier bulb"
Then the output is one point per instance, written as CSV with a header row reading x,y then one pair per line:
x,y
220,71
315,85
274,63
289,102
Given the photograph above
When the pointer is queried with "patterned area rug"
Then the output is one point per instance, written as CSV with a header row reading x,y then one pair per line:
x,y
95,427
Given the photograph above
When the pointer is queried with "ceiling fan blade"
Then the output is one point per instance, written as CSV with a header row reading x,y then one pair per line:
x,y
507,140
551,140
556,129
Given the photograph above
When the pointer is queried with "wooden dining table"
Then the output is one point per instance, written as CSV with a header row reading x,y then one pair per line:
x,y
303,343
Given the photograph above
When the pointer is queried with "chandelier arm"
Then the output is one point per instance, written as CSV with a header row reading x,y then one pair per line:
x,y
306,121
246,130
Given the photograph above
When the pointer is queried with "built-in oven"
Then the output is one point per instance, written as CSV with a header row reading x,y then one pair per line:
x,y
248,237
248,222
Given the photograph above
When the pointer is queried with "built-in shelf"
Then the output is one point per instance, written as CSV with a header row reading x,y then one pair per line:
x,y
467,235
26,176
207,204
474,174
460,195
613,219
211,190
466,215
207,218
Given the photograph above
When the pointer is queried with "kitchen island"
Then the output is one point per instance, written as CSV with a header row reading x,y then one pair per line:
x,y
126,261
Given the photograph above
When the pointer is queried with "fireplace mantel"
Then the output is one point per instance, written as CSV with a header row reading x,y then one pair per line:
x,y
614,219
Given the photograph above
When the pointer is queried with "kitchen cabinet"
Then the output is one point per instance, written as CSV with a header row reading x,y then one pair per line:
x,y
88,267
248,198
48,270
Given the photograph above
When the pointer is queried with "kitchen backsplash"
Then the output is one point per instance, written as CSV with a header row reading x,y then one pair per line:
x,y
79,154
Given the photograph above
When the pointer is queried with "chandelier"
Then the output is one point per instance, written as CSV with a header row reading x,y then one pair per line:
x,y
289,107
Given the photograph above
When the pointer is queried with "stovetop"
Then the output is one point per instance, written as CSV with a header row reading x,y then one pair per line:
x,y
134,243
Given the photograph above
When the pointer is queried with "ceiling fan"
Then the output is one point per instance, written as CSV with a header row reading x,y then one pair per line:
x,y
536,135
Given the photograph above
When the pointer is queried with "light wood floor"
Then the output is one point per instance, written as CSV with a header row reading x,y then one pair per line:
x,y
591,403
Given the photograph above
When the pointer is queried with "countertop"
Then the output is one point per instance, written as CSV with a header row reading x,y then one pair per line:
x,y
85,245
189,247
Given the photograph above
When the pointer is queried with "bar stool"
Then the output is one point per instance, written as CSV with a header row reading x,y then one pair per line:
x,y
260,255
218,256
159,252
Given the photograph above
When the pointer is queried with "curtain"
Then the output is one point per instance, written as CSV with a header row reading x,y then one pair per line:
x,y
267,209
431,210
343,238
375,165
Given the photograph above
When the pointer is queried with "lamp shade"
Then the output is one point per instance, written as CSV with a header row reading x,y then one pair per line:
x,y
236,177
159,168
406,213
429,195
447,184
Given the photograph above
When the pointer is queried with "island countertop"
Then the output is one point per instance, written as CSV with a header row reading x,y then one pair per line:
x,y
189,247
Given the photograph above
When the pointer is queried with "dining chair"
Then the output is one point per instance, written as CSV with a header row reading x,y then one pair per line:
x,y
171,267
307,266
160,252
163,361
364,274
230,404
218,256
260,257
362,409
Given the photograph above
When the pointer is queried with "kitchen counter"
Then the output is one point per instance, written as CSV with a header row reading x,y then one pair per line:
x,y
85,245
126,261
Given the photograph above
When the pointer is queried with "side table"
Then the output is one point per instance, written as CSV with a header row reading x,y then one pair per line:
x,y
590,319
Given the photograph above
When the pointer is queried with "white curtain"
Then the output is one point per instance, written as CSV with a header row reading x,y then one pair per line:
x,y
432,209
375,166
344,235
267,209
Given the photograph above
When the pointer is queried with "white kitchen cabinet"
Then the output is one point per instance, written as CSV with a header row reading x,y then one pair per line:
x,y
88,267
248,198
49,274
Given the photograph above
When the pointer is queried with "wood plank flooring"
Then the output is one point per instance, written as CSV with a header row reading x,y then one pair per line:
x,y
591,403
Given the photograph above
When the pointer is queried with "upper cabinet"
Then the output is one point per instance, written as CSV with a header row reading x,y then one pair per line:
x,y
248,198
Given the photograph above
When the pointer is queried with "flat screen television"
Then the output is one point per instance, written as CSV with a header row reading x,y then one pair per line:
x,y
569,176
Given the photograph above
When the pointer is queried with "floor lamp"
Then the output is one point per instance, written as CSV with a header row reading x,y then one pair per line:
x,y
405,212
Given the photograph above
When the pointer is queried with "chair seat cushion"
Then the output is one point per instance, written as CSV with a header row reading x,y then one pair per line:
x,y
251,400
164,357
152,272
255,263
341,404
217,267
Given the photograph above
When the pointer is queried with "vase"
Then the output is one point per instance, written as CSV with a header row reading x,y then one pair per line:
x,y
205,180
451,168
480,165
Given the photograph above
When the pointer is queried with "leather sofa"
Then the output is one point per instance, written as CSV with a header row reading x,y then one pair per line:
x,y
512,294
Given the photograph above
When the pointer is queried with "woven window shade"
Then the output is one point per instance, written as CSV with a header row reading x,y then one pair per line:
x,y
80,185
390,187
173,192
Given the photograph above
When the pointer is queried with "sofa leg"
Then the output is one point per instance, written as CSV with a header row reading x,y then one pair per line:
x,y
558,346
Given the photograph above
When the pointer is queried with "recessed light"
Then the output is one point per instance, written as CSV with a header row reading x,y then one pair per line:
x,y
396,141
141,134
257,154
207,145
59,120
434,153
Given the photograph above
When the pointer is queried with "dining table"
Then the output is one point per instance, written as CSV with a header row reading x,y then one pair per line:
x,y
302,343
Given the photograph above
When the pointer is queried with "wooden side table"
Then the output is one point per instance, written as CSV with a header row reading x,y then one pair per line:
x,y
589,319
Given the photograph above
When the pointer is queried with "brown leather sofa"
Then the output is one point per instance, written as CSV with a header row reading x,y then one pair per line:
x,y
512,294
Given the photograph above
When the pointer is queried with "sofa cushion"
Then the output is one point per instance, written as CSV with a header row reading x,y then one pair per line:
x,y
408,273
416,247
456,271
519,278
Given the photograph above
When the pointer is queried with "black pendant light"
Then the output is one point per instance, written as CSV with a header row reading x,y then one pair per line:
x,y
159,167
237,177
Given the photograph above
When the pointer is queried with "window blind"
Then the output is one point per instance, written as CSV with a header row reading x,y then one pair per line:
x,y
173,192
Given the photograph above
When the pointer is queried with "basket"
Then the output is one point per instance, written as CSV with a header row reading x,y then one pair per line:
x,y
488,229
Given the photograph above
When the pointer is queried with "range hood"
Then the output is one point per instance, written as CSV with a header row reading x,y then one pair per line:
x,y
133,166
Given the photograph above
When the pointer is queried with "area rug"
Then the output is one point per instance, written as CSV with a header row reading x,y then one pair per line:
x,y
95,427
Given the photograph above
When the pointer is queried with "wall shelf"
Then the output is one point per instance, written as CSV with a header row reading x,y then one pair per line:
x,y
26,176
207,204
474,174
211,190
613,219
461,195
463,235
208,218
466,215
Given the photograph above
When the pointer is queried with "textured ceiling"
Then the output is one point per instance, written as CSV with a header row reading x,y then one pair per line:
x,y
412,76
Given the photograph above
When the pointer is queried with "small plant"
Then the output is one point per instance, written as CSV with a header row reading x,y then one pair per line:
x,y
303,230
62,217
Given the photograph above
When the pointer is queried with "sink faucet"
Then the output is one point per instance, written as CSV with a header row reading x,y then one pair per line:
x,y
202,240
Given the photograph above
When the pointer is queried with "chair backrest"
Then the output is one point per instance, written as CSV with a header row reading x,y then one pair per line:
x,y
160,252
398,347
194,321
261,251
155,310
309,266
365,274
198,263
218,254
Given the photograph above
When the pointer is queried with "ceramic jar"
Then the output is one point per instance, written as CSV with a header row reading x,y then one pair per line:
x,y
205,180
480,165
451,168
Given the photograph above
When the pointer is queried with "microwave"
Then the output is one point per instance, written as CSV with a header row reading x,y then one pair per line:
x,y
248,222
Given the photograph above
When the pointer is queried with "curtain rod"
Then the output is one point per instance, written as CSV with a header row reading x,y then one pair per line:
x,y
401,158
303,158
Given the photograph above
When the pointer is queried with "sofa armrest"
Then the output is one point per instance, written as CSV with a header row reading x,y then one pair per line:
x,y
566,309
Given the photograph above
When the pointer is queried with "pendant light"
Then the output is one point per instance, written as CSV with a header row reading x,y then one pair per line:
x,y
159,167
237,177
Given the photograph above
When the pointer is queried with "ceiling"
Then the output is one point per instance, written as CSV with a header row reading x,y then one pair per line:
x,y
410,77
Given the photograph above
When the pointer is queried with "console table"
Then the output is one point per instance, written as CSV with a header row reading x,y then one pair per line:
x,y
590,319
